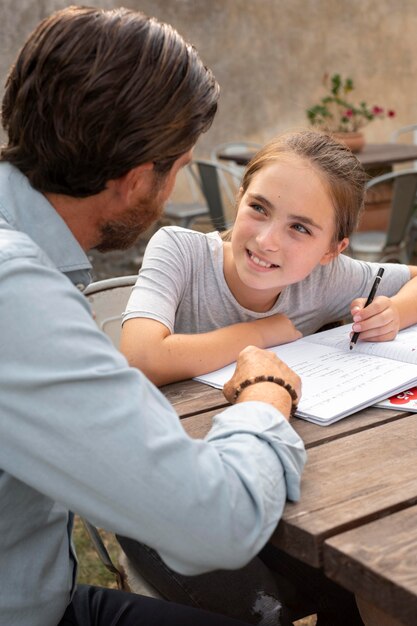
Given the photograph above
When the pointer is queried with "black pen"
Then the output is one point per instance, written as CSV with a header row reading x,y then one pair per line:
x,y
369,300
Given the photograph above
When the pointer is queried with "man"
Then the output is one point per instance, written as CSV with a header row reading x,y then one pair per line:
x,y
101,110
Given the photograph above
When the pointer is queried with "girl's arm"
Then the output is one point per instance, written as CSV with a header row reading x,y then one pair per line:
x,y
165,358
381,320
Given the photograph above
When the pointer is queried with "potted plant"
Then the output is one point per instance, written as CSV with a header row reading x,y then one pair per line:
x,y
336,114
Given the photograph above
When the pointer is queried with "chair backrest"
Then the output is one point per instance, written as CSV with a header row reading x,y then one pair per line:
x,y
187,202
215,193
402,204
411,130
397,243
232,147
108,299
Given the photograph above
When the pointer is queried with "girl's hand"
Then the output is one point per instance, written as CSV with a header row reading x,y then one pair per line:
x,y
275,330
379,321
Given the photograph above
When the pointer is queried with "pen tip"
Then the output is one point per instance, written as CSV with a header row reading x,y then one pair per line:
x,y
351,346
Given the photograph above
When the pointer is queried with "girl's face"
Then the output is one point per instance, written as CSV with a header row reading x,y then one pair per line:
x,y
284,228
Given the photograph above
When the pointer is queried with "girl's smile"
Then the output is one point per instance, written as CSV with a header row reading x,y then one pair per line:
x,y
260,263
284,228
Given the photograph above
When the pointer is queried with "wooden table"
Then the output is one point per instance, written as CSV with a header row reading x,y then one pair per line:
x,y
357,517
373,156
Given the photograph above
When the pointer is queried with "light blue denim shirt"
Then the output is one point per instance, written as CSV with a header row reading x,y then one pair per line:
x,y
82,431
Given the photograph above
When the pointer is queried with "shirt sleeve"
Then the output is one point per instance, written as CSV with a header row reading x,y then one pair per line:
x,y
352,278
161,281
81,427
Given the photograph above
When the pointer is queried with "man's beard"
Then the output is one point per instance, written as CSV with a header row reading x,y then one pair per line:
x,y
122,233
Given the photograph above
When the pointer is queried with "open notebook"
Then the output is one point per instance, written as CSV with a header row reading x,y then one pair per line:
x,y
336,381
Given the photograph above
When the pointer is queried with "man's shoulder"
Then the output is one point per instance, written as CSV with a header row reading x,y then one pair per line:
x,y
15,244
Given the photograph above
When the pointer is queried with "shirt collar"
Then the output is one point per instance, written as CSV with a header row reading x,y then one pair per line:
x,y
28,210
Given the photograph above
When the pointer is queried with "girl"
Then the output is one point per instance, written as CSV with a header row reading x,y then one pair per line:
x,y
201,298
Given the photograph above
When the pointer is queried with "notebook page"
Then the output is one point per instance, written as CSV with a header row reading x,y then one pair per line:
x,y
402,348
334,384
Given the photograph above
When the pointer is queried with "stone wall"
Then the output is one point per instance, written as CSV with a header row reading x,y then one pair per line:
x,y
269,56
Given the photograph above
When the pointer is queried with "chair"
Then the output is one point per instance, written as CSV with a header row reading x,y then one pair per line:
x,y
184,213
104,555
394,244
108,299
217,192
411,130
232,147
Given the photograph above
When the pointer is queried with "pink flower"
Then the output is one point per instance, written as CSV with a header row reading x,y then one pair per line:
x,y
349,113
391,113
376,110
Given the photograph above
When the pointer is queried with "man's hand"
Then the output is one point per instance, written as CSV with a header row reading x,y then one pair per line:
x,y
379,321
254,362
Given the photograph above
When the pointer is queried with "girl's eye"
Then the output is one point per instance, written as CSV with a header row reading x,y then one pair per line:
x,y
258,208
301,229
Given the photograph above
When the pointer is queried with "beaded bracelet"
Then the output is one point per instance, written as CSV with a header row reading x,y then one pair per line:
x,y
268,379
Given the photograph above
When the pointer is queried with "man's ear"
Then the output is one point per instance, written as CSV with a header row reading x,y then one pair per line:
x,y
334,251
134,179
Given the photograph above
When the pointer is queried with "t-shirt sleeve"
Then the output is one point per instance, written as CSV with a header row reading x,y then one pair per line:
x,y
352,278
161,280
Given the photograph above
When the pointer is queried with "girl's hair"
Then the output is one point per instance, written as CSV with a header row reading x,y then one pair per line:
x,y
341,171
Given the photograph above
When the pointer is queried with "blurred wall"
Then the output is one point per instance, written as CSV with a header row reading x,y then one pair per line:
x,y
269,56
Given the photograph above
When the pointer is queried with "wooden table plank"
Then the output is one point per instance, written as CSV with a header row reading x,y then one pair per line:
x,y
191,398
349,482
199,424
379,562
372,417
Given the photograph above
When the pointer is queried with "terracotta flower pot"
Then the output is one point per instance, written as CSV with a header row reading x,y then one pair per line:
x,y
354,141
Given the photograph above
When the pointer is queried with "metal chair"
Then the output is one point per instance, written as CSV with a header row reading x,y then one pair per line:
x,y
219,196
411,129
184,213
393,245
232,147
108,299
104,555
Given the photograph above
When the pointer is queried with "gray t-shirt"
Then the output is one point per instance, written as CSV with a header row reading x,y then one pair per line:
x,y
181,284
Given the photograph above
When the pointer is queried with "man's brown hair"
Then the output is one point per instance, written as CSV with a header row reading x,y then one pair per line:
x,y
95,93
